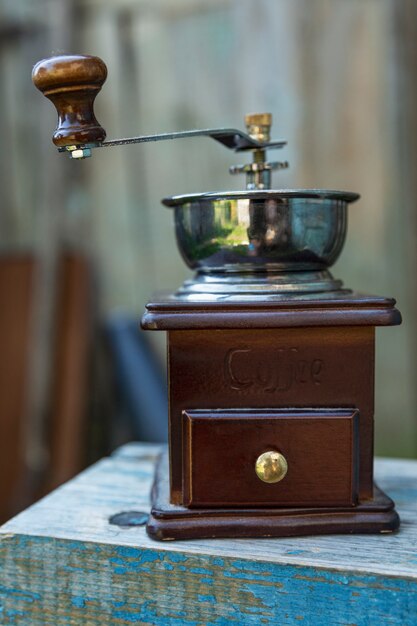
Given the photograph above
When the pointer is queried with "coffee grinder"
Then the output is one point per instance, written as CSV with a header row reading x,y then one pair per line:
x,y
270,358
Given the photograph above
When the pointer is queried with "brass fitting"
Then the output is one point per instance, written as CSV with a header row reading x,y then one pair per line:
x,y
259,125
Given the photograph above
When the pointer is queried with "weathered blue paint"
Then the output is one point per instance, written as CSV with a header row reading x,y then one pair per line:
x,y
13,614
140,588
24,596
206,598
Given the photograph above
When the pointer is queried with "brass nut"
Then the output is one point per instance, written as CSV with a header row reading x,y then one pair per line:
x,y
271,466
258,126
258,119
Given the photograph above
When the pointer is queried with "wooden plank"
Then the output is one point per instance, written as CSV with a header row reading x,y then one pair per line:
x,y
71,369
16,293
62,562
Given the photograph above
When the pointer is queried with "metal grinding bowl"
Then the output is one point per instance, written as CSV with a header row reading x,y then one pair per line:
x,y
261,241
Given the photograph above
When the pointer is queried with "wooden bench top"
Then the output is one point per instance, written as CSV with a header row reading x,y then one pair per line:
x,y
62,562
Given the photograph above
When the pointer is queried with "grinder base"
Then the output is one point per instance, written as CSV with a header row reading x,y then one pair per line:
x,y
170,522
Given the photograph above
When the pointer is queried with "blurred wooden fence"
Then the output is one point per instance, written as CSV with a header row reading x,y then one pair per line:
x,y
340,79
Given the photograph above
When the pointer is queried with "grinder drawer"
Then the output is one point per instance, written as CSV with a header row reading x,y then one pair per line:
x,y
270,457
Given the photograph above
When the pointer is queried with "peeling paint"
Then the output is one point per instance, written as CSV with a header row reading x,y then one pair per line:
x,y
101,584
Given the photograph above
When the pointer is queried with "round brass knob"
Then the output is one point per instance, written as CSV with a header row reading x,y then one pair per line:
x,y
271,466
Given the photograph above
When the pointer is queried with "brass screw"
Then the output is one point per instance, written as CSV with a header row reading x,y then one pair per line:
x,y
271,466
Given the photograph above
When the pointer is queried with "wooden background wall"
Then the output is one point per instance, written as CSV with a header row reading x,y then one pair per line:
x,y
339,76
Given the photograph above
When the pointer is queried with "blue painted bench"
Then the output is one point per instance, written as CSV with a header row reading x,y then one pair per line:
x,y
62,562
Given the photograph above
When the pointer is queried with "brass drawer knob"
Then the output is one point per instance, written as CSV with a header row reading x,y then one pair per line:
x,y
271,466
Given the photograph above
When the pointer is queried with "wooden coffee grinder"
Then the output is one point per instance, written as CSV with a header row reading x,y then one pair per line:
x,y
270,359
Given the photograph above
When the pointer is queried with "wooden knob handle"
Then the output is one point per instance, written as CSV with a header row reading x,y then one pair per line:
x,y
72,83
